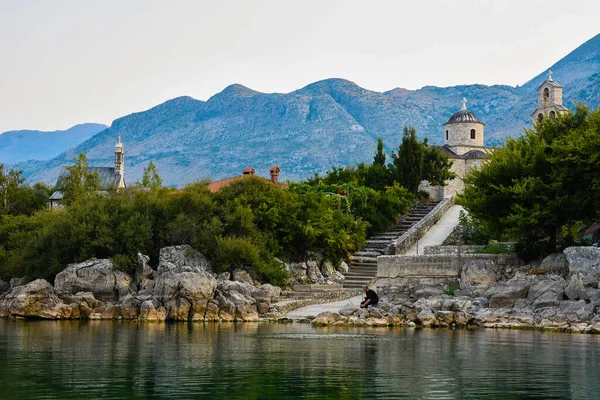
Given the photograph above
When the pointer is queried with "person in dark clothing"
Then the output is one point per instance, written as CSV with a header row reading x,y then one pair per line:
x,y
371,298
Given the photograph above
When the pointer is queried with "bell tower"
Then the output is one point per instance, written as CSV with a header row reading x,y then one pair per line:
x,y
549,100
120,163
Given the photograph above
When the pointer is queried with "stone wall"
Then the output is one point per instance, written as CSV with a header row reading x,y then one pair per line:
x,y
406,274
464,249
410,237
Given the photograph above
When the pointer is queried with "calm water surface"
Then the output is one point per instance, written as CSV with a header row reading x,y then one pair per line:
x,y
99,359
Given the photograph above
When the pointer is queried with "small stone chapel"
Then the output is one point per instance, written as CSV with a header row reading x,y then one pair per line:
x,y
110,177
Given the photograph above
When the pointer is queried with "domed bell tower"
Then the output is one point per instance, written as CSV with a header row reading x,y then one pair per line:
x,y
549,101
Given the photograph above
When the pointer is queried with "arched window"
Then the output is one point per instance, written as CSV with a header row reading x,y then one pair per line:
x,y
446,135
552,115
472,133
546,94
540,117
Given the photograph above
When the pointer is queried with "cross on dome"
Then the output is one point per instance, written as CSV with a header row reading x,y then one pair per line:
x,y
550,75
464,104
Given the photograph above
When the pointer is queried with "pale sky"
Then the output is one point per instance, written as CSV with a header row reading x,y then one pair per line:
x,y
73,61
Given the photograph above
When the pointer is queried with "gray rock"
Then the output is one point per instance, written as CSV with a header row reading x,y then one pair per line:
x,y
348,310
505,294
184,259
95,276
584,261
16,282
185,295
575,287
314,273
375,312
239,275
428,291
35,299
338,277
327,270
224,276
478,275
556,264
547,293
343,268
143,272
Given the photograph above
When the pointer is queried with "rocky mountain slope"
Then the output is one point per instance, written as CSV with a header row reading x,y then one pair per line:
x,y
328,123
39,145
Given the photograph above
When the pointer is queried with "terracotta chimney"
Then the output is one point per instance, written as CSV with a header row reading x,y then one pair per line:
x,y
248,171
274,171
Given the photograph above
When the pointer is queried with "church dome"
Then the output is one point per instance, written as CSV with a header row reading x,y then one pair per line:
x,y
463,116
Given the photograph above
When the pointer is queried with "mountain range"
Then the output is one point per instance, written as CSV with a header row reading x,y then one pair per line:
x,y
41,145
329,123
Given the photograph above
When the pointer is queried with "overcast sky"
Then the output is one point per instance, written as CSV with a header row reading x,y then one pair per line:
x,y
68,62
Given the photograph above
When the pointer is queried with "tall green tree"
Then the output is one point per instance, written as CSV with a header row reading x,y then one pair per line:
x,y
407,165
379,158
10,182
150,179
436,166
80,183
538,187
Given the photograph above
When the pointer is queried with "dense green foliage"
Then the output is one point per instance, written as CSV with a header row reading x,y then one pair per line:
x,y
79,183
16,198
379,193
542,188
249,224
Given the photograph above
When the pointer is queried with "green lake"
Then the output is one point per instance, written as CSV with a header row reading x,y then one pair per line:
x,y
102,359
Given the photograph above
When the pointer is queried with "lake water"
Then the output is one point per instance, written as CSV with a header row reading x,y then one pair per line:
x,y
100,359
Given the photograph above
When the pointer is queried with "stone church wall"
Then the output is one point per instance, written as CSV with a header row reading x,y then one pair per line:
x,y
460,134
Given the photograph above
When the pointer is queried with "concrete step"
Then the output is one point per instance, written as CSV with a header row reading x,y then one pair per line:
x,y
363,259
369,253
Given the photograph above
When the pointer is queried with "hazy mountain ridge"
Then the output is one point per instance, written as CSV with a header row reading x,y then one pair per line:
x,y
41,145
327,123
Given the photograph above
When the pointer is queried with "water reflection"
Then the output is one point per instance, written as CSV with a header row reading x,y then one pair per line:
x,y
94,359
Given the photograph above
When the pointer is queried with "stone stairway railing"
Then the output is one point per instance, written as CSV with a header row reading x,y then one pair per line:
x,y
363,264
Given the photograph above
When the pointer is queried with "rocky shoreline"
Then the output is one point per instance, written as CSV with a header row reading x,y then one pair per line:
x,y
181,288
561,293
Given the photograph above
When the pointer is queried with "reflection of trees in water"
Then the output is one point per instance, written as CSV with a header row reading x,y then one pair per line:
x,y
264,360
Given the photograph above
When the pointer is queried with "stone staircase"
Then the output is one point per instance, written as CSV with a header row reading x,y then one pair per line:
x,y
363,264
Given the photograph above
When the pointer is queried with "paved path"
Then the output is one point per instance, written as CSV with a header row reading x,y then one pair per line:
x,y
316,309
438,233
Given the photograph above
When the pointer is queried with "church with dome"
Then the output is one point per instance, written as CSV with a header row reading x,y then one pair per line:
x,y
464,138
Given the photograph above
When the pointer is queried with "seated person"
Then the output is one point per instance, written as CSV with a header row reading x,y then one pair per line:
x,y
371,298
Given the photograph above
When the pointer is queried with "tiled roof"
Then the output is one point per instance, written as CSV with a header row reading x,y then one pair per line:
x,y
218,185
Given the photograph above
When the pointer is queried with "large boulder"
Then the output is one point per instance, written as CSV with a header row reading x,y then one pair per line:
x,y
96,276
233,305
182,258
36,299
506,294
239,275
314,273
585,262
343,267
327,270
185,295
144,274
547,293
556,264
478,275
